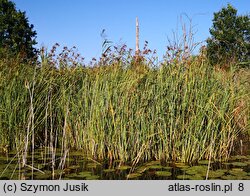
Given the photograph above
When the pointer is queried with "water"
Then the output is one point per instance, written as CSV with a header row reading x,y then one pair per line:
x,y
78,167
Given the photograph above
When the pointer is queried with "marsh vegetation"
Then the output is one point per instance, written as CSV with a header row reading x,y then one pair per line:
x,y
132,112
126,115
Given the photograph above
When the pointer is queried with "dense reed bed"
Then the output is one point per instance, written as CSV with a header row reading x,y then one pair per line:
x,y
179,111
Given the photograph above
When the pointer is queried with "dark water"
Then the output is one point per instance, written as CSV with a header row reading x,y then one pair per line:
x,y
78,167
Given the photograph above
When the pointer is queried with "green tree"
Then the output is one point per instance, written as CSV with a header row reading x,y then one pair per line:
x,y
230,38
17,36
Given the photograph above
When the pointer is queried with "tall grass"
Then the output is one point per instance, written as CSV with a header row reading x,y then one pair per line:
x,y
179,111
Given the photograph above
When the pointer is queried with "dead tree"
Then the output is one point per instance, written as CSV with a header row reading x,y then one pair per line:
x,y
138,58
137,50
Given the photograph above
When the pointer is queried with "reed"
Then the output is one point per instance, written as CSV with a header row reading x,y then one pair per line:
x,y
179,111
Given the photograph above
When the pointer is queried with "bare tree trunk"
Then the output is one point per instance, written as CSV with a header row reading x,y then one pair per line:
x,y
137,50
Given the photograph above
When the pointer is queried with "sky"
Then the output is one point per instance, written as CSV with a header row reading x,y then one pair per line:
x,y
80,22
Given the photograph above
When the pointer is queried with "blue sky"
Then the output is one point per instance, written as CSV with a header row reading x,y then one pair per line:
x,y
80,22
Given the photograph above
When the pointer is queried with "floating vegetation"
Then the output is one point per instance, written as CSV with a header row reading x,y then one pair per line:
x,y
183,177
214,174
84,174
43,176
185,168
152,163
66,178
237,169
239,164
67,170
74,167
72,176
230,177
238,173
77,153
147,170
9,176
3,158
237,157
91,165
196,170
163,173
108,170
181,165
133,175
227,163
142,169
196,177
93,177
124,167
58,172
205,162
191,172
246,178
155,167
199,168
222,170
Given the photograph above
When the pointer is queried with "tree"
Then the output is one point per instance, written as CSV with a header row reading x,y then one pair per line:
x,y
230,38
17,36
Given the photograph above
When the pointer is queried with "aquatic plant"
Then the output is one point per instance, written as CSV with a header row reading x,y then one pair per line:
x,y
133,175
163,173
174,112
